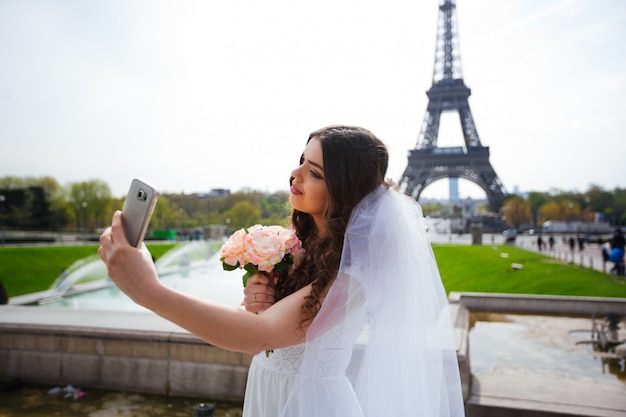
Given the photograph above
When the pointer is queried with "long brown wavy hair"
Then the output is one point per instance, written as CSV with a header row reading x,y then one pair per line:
x,y
355,163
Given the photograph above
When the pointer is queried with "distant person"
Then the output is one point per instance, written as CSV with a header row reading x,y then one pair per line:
x,y
4,298
618,239
539,243
617,251
581,243
551,242
606,250
572,243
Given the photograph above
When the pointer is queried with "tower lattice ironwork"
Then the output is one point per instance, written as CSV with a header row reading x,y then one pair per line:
x,y
428,162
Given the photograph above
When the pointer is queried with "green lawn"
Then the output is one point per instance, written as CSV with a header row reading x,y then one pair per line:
x,y
29,269
484,269
463,269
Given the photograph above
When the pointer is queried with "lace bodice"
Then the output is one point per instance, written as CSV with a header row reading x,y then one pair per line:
x,y
331,359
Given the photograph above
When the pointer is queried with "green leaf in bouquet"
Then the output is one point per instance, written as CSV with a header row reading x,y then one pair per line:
x,y
250,270
229,267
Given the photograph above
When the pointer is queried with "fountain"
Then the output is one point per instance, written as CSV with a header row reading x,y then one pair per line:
x,y
526,355
540,343
187,256
87,270
605,334
606,343
191,267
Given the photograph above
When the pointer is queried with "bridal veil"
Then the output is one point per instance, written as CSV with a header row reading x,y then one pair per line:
x,y
385,323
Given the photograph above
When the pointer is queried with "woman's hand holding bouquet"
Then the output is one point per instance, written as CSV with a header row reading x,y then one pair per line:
x,y
267,249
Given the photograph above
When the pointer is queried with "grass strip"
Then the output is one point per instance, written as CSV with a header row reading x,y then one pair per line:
x,y
490,269
463,268
28,269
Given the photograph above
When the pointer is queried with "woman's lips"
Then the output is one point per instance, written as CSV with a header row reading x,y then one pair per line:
x,y
295,191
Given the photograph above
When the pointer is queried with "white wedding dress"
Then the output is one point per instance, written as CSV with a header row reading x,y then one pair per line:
x,y
381,345
323,392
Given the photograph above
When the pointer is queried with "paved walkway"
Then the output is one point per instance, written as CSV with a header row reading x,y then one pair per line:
x,y
589,257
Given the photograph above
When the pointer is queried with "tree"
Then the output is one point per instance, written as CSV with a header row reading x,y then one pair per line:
x,y
56,197
243,214
619,208
536,200
164,216
598,199
275,209
564,210
90,203
33,203
516,212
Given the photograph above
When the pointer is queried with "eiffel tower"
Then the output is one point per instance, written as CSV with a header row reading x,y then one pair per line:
x,y
429,163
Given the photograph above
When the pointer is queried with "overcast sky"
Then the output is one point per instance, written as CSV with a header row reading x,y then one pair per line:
x,y
195,95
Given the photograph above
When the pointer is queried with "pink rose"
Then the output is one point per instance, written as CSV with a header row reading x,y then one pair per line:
x,y
263,249
233,250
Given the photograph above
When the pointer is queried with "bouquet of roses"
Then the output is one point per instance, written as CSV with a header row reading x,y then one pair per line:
x,y
261,249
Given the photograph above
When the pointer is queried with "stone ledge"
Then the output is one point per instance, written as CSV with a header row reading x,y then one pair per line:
x,y
539,304
146,354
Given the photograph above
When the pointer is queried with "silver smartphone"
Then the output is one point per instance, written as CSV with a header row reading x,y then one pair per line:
x,y
137,210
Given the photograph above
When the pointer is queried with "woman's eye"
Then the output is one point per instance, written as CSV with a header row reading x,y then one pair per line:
x,y
316,175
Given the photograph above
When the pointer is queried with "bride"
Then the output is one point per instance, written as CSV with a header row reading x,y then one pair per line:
x,y
359,328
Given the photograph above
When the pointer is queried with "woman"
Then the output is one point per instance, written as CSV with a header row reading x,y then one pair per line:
x,y
360,328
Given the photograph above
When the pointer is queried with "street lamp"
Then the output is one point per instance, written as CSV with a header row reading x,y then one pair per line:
x,y
2,199
180,219
84,205
570,206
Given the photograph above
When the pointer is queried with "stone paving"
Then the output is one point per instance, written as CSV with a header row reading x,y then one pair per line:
x,y
35,401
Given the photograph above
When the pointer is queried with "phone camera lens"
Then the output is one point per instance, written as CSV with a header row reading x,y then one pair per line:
x,y
141,195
